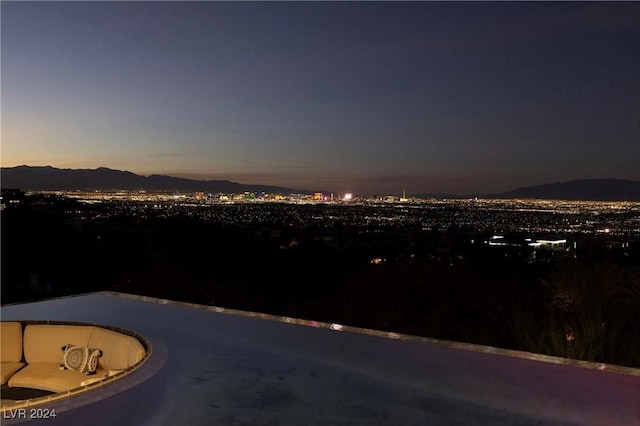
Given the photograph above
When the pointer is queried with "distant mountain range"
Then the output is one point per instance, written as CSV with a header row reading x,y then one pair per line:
x,y
584,189
575,190
51,178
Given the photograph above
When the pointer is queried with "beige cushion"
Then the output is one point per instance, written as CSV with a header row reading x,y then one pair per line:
x,y
119,351
49,377
10,342
43,343
7,369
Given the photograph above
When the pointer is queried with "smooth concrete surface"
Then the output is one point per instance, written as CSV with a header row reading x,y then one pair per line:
x,y
227,368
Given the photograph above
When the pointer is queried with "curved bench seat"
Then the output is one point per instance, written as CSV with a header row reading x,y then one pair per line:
x,y
32,358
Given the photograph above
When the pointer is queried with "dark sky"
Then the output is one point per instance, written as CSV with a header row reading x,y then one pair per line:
x,y
366,97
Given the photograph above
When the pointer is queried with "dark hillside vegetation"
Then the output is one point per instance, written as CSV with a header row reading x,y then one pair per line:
x,y
586,308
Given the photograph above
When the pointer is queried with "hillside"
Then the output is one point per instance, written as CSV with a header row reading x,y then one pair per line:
x,y
584,189
51,178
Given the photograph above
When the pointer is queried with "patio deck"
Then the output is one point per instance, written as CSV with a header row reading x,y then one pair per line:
x,y
220,367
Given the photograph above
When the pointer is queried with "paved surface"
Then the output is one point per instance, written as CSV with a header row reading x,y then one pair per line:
x,y
231,369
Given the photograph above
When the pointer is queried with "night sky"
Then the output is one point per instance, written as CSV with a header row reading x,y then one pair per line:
x,y
366,97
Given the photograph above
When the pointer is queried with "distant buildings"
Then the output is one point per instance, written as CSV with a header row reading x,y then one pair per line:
x,y
11,197
533,249
553,244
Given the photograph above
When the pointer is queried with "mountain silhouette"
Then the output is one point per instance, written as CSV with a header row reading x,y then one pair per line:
x,y
582,189
49,178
